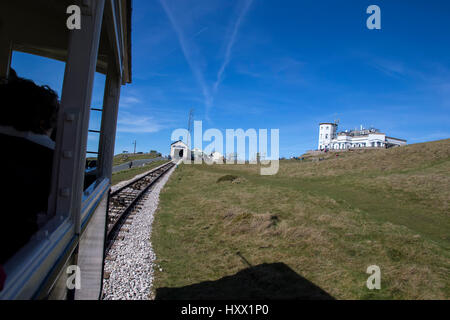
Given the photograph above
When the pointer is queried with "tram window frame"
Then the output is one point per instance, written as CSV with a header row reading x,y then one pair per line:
x,y
54,231
44,219
61,231
96,107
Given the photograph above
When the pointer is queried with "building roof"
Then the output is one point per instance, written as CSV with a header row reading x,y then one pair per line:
x,y
179,141
395,138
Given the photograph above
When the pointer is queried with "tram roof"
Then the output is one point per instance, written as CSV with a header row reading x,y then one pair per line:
x,y
39,27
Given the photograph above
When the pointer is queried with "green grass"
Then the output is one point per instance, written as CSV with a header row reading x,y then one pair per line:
x,y
327,221
131,173
127,157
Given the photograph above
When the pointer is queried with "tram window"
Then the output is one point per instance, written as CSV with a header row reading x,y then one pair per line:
x,y
93,142
27,123
43,71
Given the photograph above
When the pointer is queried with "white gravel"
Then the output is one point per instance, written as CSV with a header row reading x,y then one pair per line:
x,y
131,273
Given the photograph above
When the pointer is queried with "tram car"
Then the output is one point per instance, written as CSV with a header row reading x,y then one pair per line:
x,y
64,258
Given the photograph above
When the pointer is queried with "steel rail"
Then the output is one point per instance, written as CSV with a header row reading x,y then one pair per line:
x,y
139,179
127,208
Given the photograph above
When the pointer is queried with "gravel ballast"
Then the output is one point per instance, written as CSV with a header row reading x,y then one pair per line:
x,y
131,269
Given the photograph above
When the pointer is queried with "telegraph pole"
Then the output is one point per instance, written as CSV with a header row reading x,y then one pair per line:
x,y
134,146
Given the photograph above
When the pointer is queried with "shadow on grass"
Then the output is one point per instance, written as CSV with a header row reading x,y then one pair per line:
x,y
265,281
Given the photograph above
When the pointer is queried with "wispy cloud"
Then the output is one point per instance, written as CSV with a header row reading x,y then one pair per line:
x,y
137,123
390,68
236,25
199,32
129,101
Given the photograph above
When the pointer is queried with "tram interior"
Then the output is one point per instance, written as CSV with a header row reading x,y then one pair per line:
x,y
28,129
33,124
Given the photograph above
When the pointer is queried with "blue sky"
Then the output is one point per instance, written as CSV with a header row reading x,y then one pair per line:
x,y
284,65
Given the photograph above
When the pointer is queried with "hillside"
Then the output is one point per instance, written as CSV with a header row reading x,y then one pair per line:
x,y
131,173
127,157
326,221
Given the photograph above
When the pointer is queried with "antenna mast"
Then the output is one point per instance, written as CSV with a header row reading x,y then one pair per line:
x,y
190,120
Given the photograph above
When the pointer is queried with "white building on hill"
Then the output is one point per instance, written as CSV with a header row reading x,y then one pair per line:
x,y
329,138
179,150
216,157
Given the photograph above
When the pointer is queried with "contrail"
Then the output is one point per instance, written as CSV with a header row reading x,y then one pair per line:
x,y
208,97
198,33
230,44
184,47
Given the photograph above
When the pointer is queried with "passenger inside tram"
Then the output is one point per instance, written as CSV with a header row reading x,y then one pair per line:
x,y
28,118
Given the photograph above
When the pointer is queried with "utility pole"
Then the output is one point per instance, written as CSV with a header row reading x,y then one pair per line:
x,y
134,146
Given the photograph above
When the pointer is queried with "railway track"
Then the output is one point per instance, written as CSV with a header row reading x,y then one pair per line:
x,y
127,198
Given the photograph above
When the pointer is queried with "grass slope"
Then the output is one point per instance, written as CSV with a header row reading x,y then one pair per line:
x,y
127,157
131,173
327,221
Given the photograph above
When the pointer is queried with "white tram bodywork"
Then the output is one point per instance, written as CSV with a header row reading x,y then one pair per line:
x,y
74,233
